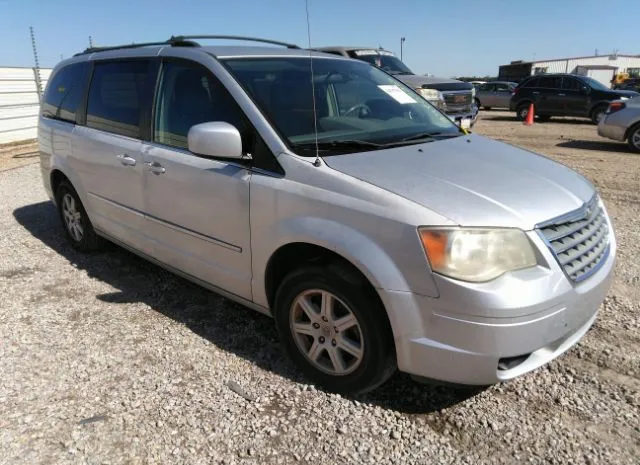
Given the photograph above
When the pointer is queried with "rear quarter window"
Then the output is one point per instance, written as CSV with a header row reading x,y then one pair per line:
x,y
65,92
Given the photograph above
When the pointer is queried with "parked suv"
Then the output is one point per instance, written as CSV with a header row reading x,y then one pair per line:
x,y
455,98
564,95
372,228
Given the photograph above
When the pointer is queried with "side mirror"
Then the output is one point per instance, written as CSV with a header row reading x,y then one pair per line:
x,y
584,90
215,139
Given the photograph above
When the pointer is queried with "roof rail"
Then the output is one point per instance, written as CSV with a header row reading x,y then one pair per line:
x,y
183,41
170,42
250,39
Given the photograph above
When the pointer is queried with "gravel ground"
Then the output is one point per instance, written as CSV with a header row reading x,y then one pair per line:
x,y
109,359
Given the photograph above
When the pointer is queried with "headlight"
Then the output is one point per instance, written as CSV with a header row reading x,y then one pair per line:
x,y
476,255
429,94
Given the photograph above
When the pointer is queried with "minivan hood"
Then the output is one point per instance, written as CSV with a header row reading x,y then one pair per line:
x,y
414,81
472,180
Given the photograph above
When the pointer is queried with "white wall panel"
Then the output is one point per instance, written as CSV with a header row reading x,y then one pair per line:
x,y
19,103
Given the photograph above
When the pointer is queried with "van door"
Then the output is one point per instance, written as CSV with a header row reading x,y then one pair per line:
x,y
196,208
107,152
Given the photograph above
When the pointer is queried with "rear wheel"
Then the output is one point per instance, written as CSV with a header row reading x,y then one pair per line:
x,y
77,226
335,330
634,138
598,113
522,111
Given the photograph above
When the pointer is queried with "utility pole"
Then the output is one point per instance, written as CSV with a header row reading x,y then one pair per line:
x,y
402,39
90,42
36,70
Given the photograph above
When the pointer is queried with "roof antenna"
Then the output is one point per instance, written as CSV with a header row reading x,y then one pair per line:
x,y
313,90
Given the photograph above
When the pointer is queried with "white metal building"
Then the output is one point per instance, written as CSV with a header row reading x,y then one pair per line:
x,y
600,67
20,102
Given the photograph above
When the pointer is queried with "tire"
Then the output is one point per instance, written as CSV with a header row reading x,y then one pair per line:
x,y
522,110
370,357
478,105
634,138
544,118
76,223
597,113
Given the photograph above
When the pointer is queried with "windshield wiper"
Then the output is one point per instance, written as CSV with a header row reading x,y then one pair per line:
x,y
331,144
429,135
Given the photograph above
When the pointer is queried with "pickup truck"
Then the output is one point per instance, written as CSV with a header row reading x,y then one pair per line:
x,y
455,98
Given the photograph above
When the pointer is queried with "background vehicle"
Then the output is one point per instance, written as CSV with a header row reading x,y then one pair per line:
x,y
628,84
564,95
454,98
495,94
351,218
622,122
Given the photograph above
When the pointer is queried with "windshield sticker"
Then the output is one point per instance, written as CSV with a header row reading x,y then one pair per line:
x,y
397,94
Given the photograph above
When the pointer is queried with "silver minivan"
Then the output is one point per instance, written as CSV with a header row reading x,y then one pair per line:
x,y
327,194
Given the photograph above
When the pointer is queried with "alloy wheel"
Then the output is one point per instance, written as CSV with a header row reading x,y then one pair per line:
x,y
72,217
635,139
327,332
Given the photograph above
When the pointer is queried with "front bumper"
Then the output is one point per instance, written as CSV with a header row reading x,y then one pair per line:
x,y
457,118
480,334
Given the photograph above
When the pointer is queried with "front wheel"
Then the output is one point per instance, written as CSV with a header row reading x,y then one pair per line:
x,y
598,113
335,330
634,138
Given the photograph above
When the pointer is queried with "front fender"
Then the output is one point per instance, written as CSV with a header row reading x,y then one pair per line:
x,y
362,252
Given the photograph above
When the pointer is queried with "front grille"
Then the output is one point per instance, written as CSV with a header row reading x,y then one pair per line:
x,y
580,244
457,101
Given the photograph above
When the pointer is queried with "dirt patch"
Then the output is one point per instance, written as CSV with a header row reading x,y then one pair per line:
x,y
18,154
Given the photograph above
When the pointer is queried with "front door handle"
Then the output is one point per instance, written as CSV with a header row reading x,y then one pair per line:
x,y
155,167
126,160
562,95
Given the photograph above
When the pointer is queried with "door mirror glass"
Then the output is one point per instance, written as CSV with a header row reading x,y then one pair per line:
x,y
215,139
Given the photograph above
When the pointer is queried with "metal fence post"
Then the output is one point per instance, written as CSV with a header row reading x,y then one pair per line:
x,y
36,70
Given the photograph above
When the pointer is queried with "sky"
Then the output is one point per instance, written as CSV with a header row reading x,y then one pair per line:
x,y
443,38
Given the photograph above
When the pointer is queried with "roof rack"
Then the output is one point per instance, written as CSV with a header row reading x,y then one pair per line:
x,y
170,42
184,41
250,39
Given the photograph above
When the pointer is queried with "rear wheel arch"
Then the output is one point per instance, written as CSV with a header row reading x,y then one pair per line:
x,y
631,129
56,178
629,134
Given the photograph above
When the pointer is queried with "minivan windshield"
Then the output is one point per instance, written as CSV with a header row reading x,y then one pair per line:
x,y
357,106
